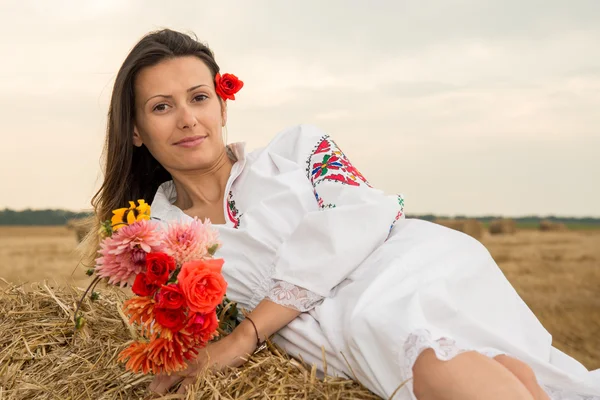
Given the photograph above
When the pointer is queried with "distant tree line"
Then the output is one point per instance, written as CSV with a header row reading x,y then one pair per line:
x,y
39,217
531,219
60,217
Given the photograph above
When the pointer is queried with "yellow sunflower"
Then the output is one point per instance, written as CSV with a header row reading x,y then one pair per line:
x,y
126,216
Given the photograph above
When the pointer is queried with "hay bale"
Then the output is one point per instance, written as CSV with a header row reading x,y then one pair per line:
x,y
471,227
503,226
41,357
550,226
81,226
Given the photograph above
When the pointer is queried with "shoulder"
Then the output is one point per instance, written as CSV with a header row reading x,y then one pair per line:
x,y
297,142
299,132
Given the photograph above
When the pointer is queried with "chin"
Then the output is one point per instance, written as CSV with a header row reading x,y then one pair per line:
x,y
202,160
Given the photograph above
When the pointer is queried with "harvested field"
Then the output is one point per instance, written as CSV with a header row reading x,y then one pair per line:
x,y
503,227
557,273
471,227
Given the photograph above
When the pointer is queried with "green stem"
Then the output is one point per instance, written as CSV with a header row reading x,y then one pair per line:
x,y
91,285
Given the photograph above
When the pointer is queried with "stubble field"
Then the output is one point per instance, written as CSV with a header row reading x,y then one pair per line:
x,y
556,273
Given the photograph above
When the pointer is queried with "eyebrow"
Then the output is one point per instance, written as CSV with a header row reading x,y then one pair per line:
x,y
170,97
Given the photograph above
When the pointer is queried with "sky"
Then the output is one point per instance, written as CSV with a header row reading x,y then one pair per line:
x,y
466,107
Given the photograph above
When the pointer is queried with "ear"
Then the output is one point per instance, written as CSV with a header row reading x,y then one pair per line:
x,y
137,139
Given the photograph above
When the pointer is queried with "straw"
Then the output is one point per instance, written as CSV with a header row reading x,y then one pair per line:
x,y
43,357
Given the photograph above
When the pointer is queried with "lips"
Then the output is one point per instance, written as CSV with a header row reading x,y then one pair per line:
x,y
190,139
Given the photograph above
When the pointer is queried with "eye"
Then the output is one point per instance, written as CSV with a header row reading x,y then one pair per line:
x,y
160,107
200,97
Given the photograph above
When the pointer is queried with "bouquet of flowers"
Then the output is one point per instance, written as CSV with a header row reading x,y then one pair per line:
x,y
177,282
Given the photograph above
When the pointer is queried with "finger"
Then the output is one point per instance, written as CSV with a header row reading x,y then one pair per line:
x,y
156,381
162,384
185,384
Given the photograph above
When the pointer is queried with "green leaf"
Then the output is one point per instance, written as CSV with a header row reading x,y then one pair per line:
x,y
79,322
106,229
229,321
174,274
213,249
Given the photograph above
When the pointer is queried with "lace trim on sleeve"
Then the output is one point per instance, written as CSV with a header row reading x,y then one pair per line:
x,y
289,295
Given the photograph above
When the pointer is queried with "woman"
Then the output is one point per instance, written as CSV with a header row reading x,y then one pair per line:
x,y
322,259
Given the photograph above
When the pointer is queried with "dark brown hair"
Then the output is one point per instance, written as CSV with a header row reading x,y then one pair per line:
x,y
132,173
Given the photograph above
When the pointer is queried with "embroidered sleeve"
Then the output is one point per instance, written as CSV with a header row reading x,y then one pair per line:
x,y
347,222
328,163
293,296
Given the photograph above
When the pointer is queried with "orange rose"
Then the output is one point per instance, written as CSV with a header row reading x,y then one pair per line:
x,y
202,284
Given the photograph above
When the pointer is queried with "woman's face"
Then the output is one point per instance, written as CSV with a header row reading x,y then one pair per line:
x,y
178,115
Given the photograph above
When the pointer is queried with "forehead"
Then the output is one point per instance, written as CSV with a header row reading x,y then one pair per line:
x,y
171,76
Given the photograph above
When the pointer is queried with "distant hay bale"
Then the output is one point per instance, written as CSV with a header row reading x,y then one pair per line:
x,y
503,226
471,227
551,226
42,358
81,226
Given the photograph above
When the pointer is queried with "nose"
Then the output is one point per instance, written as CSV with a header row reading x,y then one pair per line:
x,y
187,119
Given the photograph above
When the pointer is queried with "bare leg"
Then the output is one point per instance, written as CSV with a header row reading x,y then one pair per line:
x,y
468,376
525,374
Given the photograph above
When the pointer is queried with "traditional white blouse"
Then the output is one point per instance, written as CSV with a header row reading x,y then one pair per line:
x,y
306,230
300,219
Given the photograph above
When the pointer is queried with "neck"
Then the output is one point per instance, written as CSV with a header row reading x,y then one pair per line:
x,y
201,188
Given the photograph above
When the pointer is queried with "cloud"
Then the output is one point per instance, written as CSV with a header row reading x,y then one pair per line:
x,y
458,104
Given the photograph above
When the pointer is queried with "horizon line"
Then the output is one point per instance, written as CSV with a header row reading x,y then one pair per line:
x,y
417,214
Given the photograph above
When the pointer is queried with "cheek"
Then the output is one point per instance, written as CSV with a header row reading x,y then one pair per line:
x,y
156,134
213,116
156,131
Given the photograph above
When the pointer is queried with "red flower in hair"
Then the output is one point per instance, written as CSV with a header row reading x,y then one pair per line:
x,y
227,86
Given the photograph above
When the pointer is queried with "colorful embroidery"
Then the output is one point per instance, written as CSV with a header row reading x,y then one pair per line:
x,y
327,162
232,211
330,162
333,165
321,203
400,213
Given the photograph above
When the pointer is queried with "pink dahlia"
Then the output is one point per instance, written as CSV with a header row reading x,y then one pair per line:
x,y
190,241
123,255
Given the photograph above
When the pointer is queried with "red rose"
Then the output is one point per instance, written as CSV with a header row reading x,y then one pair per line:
x,y
174,320
203,326
202,284
141,287
171,297
227,86
158,268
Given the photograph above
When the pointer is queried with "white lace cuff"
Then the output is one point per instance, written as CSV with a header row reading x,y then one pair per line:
x,y
289,295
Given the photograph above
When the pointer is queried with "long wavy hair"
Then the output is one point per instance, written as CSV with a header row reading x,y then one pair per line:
x,y
131,172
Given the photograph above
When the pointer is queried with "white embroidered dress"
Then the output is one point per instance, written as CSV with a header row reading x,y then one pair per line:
x,y
305,229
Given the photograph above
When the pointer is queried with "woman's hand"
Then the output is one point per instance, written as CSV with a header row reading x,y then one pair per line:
x,y
231,351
